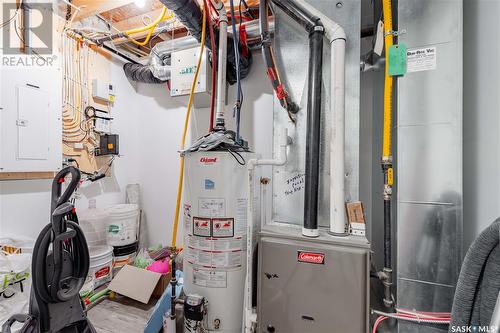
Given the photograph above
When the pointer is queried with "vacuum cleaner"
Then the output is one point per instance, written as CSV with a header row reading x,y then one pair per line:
x,y
60,267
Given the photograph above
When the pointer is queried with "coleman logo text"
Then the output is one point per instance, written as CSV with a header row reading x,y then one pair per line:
x,y
311,257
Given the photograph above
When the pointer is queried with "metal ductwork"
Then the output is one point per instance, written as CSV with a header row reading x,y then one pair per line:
x,y
188,13
314,27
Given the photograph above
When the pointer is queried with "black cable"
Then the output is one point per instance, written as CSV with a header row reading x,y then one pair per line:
x,y
74,161
237,156
4,24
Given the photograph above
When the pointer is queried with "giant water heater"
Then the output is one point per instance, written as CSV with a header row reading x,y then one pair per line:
x,y
215,231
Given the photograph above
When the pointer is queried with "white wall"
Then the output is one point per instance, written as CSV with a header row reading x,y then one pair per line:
x,y
24,205
149,123
481,116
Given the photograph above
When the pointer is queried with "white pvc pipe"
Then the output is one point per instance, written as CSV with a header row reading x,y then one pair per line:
x,y
336,35
337,143
249,316
221,79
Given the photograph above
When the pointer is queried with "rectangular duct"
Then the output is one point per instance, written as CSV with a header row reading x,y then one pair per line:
x,y
292,48
429,158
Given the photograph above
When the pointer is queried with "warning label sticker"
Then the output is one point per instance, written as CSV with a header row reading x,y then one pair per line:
x,y
212,259
226,259
187,217
421,59
209,278
216,244
222,228
201,227
230,244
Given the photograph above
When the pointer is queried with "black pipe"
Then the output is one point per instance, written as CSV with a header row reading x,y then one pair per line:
x,y
173,284
311,187
386,276
120,54
387,234
313,25
299,14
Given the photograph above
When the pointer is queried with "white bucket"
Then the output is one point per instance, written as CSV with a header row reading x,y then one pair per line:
x,y
101,265
119,262
93,223
122,224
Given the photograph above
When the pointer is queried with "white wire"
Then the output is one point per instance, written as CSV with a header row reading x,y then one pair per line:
x,y
414,320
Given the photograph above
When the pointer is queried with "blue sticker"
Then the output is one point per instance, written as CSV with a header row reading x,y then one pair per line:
x,y
209,184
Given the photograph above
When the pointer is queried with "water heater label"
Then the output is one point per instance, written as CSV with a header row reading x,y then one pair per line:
x,y
212,207
222,228
311,257
421,59
201,227
209,278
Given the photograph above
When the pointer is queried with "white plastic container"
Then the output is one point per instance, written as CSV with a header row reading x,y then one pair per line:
x,y
101,265
122,224
93,223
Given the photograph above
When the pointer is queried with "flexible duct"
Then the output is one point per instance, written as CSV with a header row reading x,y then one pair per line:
x,y
189,14
140,73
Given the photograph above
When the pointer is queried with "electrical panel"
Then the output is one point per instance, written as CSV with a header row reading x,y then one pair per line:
x,y
30,120
184,64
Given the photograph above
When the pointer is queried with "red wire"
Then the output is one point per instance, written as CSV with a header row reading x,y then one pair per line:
x,y
377,323
214,66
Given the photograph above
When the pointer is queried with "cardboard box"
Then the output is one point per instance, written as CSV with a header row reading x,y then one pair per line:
x,y
139,284
162,285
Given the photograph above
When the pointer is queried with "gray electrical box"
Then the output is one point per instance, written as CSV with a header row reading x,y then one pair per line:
x,y
316,285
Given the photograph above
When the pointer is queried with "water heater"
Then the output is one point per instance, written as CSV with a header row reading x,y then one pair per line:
x,y
215,231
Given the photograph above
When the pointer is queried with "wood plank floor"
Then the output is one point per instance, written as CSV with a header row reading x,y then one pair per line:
x,y
120,315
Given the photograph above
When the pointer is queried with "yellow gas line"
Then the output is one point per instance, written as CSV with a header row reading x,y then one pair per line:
x,y
388,84
184,133
151,27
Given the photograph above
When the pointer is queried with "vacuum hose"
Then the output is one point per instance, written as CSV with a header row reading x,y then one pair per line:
x,y
52,284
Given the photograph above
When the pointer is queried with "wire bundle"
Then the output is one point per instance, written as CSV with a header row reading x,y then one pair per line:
x,y
239,92
418,317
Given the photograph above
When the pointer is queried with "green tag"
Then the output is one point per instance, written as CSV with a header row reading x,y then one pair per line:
x,y
397,60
